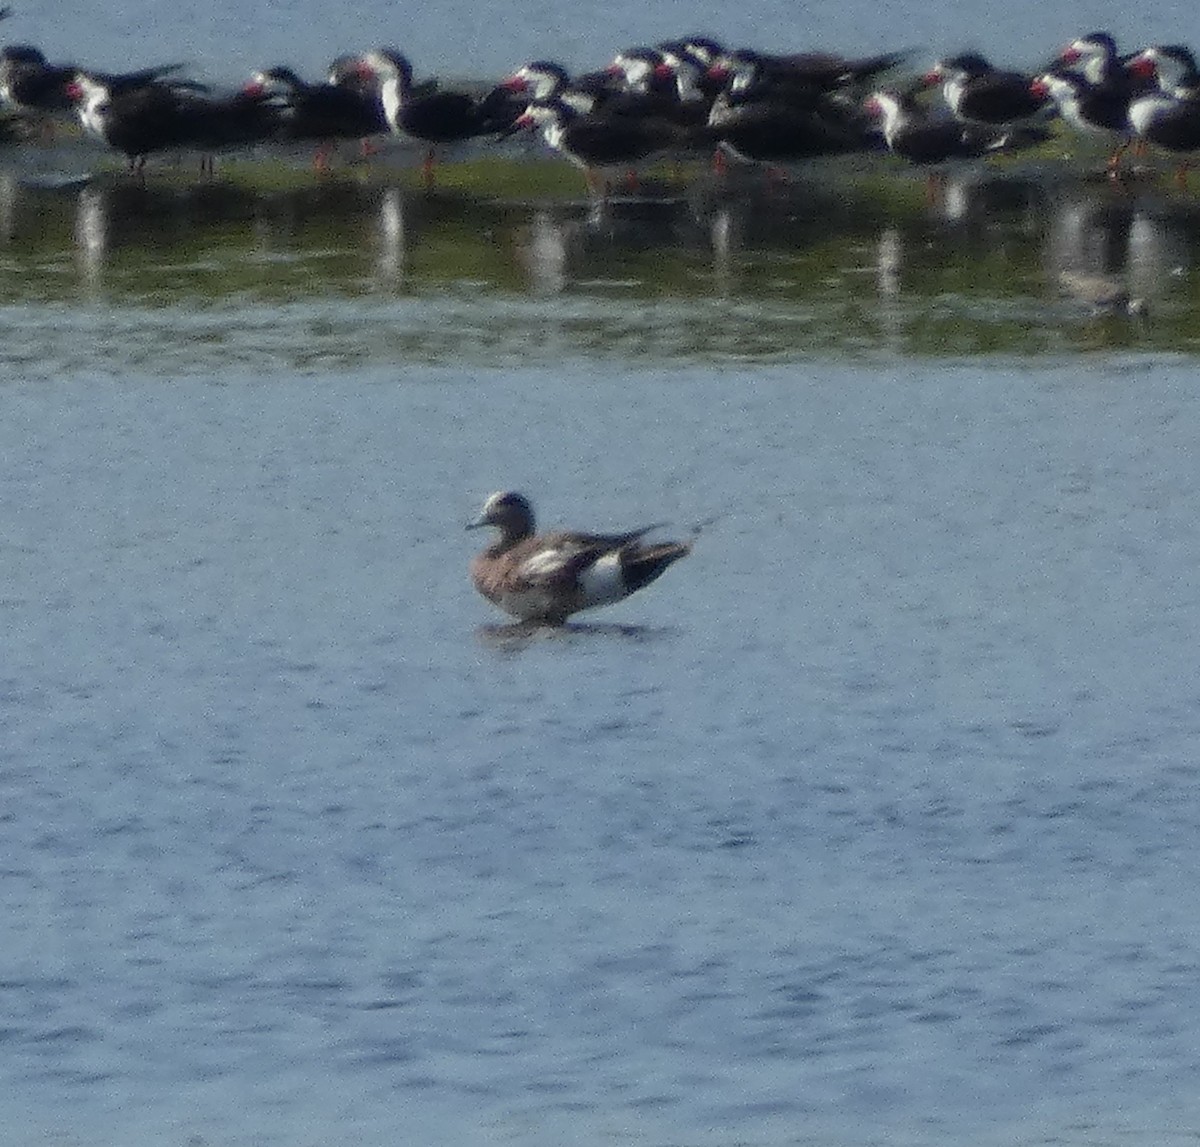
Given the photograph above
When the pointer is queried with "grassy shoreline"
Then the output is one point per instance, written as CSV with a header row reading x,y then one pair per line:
x,y
527,172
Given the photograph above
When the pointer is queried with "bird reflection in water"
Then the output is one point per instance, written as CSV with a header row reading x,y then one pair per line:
x,y
889,263
91,236
889,259
600,243
390,261
1115,254
1159,253
978,200
723,231
1088,234
543,252
735,248
8,206
514,637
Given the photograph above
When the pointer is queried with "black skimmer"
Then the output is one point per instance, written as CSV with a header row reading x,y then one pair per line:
x,y
773,114
437,117
215,123
791,107
650,89
1095,57
163,116
1169,116
1099,106
29,83
690,69
913,135
504,104
1172,67
977,92
601,145
804,72
644,71
136,123
499,109
700,55
764,128
346,71
547,80
598,85
218,123
1099,111
543,80
323,112
703,49
816,85
692,101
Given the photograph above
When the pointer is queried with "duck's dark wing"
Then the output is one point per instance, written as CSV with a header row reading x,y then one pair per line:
x,y
605,541
555,560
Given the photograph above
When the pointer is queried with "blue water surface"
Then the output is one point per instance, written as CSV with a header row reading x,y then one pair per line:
x,y
873,821
230,39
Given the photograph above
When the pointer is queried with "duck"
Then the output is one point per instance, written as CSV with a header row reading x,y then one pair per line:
x,y
545,578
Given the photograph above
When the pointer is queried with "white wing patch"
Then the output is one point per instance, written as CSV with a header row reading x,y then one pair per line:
x,y
603,582
545,563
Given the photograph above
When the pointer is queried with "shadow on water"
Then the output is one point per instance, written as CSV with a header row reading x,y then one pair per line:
x,y
994,263
515,637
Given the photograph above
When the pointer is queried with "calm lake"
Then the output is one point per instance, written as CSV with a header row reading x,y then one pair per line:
x,y
873,821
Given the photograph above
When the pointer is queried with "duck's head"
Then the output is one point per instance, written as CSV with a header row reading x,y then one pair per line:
x,y
509,512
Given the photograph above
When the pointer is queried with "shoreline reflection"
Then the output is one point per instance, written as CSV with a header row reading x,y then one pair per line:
x,y
986,264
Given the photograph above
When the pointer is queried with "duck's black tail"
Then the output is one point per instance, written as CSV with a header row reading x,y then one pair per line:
x,y
640,565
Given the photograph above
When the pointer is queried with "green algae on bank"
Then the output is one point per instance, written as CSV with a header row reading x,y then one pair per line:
x,y
525,170
844,256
